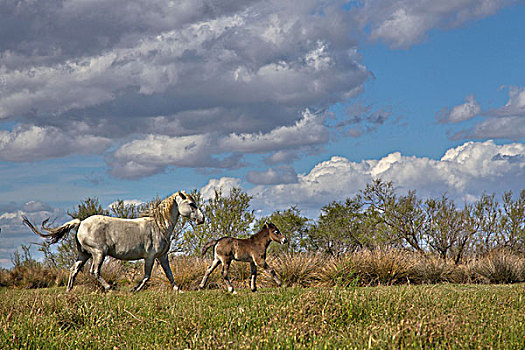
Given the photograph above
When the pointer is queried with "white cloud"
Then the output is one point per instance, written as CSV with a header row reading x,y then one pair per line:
x,y
224,183
309,130
154,153
402,24
28,143
177,68
515,106
512,128
273,176
144,157
506,122
463,173
466,111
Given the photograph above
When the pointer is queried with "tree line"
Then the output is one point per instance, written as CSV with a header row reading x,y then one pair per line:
x,y
376,217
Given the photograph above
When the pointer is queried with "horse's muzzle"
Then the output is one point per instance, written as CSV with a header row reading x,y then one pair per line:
x,y
284,240
200,221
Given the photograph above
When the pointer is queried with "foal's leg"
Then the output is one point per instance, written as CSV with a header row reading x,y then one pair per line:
x,y
77,266
253,269
98,259
225,270
210,269
164,262
148,266
262,264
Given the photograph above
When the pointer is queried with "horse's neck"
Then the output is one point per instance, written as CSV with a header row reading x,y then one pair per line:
x,y
262,237
171,226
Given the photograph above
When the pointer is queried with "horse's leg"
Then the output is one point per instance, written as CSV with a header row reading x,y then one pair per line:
x,y
77,266
225,270
210,269
148,266
262,264
253,269
164,262
98,259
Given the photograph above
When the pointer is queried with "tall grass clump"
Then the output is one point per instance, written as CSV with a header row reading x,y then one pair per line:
x,y
30,276
500,266
432,269
187,271
383,266
337,271
300,269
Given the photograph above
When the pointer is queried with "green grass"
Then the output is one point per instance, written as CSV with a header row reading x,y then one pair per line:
x,y
424,316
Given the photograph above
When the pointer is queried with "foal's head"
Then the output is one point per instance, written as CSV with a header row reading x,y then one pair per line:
x,y
275,234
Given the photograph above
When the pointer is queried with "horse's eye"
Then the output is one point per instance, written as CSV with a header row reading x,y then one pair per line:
x,y
193,205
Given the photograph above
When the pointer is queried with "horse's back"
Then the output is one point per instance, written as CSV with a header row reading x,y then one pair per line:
x,y
101,224
116,236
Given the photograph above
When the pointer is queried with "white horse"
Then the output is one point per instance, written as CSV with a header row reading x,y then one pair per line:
x,y
147,237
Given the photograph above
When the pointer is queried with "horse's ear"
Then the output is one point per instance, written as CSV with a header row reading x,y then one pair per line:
x,y
182,194
266,224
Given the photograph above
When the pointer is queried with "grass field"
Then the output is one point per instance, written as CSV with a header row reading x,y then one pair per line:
x,y
396,317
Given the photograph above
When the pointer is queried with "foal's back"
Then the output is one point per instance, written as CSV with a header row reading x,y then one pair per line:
x,y
235,248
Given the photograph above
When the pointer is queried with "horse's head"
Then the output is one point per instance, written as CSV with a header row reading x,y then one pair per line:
x,y
188,208
275,234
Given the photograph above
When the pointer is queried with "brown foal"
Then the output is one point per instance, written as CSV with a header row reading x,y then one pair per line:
x,y
252,250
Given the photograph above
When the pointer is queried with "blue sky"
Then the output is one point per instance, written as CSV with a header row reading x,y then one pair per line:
x,y
299,103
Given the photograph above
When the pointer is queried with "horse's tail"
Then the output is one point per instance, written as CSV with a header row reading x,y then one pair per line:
x,y
211,243
55,233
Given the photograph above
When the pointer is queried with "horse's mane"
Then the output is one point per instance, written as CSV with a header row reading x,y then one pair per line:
x,y
160,211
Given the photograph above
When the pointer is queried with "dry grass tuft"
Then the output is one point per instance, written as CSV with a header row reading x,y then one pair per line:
x,y
500,266
295,269
339,271
383,266
431,269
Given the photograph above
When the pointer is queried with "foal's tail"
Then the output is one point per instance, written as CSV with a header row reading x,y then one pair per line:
x,y
55,233
211,243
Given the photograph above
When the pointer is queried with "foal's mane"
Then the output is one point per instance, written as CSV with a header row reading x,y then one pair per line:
x,y
260,232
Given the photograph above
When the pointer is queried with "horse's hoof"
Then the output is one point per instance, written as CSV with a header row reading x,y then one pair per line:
x,y
254,290
234,292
